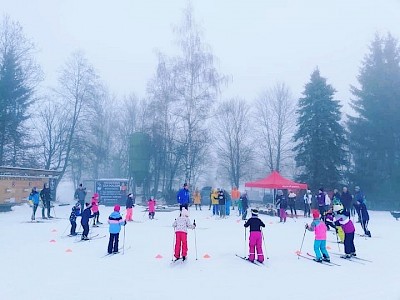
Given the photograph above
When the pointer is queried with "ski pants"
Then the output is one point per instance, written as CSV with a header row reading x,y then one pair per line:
x,y
349,243
282,214
46,206
151,215
228,207
199,205
255,244
129,212
307,210
35,206
215,209
85,230
183,206
113,243
364,225
222,210
180,244
244,213
322,212
292,207
320,249
96,216
73,227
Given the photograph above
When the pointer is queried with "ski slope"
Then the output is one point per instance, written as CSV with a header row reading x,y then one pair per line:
x,y
38,262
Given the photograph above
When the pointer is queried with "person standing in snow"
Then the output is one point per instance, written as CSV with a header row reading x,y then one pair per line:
x,y
183,197
86,215
245,205
197,199
346,198
358,197
342,218
319,228
255,238
282,202
181,225
321,202
45,195
214,201
95,210
80,195
364,216
76,212
307,203
228,203
292,203
152,207
34,197
235,195
115,222
221,203
130,204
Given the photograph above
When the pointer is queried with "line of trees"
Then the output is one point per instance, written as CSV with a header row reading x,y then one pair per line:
x,y
81,129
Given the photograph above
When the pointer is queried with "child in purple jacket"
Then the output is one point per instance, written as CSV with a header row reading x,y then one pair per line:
x,y
343,220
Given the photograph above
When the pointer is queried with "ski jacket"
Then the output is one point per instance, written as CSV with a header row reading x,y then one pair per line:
x,y
95,205
254,223
319,229
129,202
281,201
245,202
359,196
214,198
181,224
45,194
336,198
34,197
80,194
292,198
116,222
307,198
235,194
346,199
76,212
343,219
183,196
86,215
152,205
197,198
321,199
221,198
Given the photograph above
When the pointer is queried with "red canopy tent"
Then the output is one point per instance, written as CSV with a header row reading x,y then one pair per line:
x,y
276,181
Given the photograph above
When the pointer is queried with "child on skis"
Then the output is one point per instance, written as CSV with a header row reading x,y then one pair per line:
x,y
181,225
115,220
95,209
255,238
34,197
343,220
319,228
130,203
76,212
152,207
86,215
283,204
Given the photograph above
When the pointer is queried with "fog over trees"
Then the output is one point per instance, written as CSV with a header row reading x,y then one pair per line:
x,y
197,134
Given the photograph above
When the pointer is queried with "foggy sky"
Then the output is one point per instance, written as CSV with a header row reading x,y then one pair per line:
x,y
257,42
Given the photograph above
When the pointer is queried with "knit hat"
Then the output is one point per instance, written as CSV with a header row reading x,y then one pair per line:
x,y
315,214
254,212
184,212
96,195
117,208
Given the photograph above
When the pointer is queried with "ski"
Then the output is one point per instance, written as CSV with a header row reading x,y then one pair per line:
x,y
354,257
94,237
71,235
246,259
324,262
309,258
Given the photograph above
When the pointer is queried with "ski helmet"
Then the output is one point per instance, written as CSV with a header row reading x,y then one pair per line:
x,y
337,207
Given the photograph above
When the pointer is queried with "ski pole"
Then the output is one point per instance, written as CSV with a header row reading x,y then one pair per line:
x,y
245,238
302,242
173,244
265,247
337,240
195,239
123,245
65,229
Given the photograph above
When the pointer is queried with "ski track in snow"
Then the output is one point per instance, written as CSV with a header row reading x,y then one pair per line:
x,y
35,264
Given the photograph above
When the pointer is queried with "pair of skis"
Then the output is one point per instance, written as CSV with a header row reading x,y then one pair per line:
x,y
313,258
354,259
94,237
255,262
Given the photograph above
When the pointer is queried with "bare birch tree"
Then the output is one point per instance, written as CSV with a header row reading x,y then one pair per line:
x,y
276,119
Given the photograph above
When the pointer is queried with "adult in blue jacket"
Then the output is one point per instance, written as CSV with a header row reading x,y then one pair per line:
x,y
34,197
183,196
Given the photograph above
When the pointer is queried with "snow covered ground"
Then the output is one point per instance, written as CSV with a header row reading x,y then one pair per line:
x,y
35,263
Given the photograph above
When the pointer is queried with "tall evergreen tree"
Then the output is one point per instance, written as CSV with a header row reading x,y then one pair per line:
x,y
320,137
374,132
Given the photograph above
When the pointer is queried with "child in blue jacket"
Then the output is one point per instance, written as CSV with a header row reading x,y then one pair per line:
x,y
34,197
76,212
116,222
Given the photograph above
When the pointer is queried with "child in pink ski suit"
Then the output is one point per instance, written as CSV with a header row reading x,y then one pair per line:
x,y
152,207
181,224
255,239
95,209
319,228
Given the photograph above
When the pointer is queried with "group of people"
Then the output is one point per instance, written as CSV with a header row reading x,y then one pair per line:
x,y
44,197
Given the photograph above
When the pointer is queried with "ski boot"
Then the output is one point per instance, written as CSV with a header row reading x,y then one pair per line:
x,y
347,256
318,260
183,258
